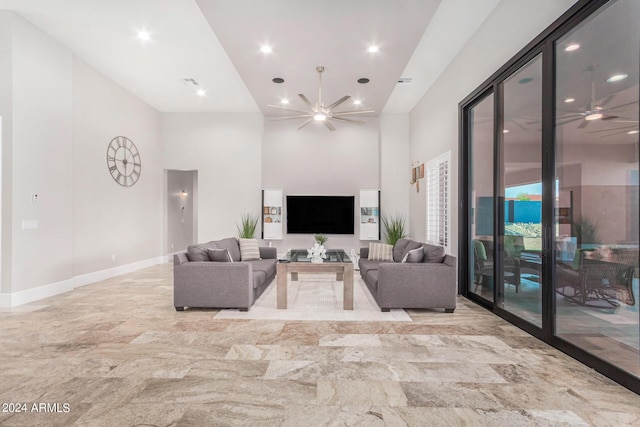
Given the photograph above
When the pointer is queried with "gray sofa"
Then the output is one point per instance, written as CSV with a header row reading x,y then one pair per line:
x,y
427,284
198,282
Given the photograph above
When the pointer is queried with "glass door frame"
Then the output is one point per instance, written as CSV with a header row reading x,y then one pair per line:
x,y
543,45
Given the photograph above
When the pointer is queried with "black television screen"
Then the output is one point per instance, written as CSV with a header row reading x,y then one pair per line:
x,y
320,214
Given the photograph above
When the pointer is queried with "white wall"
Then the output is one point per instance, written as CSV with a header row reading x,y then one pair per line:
x,y
58,116
315,161
42,158
226,150
109,219
6,48
180,210
434,120
395,166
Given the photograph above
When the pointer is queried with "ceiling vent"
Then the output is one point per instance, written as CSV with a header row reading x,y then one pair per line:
x,y
405,79
189,81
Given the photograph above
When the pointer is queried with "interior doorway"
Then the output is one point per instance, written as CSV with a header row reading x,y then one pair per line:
x,y
182,208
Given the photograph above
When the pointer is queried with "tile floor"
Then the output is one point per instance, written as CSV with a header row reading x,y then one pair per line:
x,y
118,354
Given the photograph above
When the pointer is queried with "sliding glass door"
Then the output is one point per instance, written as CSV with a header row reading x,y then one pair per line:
x,y
550,173
596,192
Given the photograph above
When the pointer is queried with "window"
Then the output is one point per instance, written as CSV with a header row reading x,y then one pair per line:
x,y
437,175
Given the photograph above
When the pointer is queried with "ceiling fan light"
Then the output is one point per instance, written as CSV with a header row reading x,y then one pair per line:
x,y
319,117
594,116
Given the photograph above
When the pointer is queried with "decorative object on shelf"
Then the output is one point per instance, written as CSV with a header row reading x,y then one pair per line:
x,y
354,259
319,112
417,173
321,238
123,161
394,228
247,227
317,253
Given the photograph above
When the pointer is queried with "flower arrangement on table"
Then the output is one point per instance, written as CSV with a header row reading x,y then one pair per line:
x,y
317,252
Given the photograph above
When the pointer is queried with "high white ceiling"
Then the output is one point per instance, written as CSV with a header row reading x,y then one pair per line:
x,y
217,42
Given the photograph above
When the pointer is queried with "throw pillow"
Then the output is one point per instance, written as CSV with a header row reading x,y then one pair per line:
x,y
380,252
433,253
249,249
230,243
219,255
199,252
413,256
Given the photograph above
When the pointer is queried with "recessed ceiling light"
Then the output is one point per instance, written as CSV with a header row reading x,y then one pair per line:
x,y
284,101
201,92
363,80
277,80
572,47
505,130
266,49
144,35
373,49
357,102
569,100
617,78
631,132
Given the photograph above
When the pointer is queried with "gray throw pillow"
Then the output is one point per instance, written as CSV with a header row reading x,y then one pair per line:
x,y
230,243
433,253
414,256
199,252
219,255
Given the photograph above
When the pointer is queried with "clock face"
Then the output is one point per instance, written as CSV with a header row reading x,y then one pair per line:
x,y
123,161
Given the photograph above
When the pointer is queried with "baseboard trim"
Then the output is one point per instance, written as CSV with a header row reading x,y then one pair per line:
x,y
10,300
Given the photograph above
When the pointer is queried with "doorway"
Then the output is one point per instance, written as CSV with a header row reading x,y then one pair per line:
x,y
182,219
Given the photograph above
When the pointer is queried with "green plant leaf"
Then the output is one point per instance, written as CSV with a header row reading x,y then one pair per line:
x,y
248,226
394,228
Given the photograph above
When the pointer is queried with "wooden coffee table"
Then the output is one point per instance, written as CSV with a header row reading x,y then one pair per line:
x,y
296,261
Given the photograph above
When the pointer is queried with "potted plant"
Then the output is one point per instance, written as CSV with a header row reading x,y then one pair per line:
x,y
321,239
394,229
247,227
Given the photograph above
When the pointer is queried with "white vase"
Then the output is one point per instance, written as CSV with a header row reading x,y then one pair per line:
x,y
316,259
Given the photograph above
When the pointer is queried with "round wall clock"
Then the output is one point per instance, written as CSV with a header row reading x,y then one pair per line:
x,y
123,161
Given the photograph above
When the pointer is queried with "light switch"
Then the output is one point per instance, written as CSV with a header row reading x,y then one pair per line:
x,y
29,224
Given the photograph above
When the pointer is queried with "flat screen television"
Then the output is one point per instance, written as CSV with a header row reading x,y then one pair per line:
x,y
320,214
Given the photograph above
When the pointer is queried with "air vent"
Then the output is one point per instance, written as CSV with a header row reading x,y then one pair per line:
x,y
405,79
189,81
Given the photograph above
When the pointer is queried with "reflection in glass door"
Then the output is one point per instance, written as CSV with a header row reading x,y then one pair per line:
x,y
521,189
481,187
596,192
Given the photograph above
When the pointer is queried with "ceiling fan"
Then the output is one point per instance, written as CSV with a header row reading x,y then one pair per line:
x,y
596,110
322,113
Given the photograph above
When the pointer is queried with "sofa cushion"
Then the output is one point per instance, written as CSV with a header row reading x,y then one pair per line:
x,y
268,266
366,265
199,252
433,253
249,249
403,246
230,243
258,278
219,255
380,252
414,256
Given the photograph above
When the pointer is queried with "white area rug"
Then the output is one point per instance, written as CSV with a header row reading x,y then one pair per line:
x,y
317,297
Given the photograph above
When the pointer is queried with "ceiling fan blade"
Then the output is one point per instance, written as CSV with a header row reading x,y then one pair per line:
x,y
301,116
584,124
569,121
344,113
617,133
607,100
625,121
306,101
305,123
609,130
517,124
287,108
623,105
357,122
338,102
328,124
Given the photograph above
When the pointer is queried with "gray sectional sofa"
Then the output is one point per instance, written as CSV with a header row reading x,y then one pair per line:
x,y
199,282
430,283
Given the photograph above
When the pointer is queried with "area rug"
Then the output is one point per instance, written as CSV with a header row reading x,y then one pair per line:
x,y
317,297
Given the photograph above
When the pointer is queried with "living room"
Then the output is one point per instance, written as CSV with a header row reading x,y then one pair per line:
x,y
66,224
